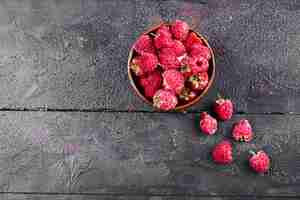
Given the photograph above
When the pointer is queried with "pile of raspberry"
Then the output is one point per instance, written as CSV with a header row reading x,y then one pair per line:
x,y
171,65
242,131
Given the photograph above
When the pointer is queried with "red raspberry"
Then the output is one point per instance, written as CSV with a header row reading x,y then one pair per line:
x,y
192,39
181,58
145,63
179,48
180,30
165,100
186,71
197,64
144,44
165,28
208,124
223,108
163,38
199,50
187,95
242,131
259,162
198,81
222,153
173,80
151,83
168,59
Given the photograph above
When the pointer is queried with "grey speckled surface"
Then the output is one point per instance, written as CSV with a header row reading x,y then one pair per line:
x,y
124,197
140,154
72,54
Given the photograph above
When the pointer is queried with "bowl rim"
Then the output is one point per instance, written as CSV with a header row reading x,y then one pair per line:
x,y
190,103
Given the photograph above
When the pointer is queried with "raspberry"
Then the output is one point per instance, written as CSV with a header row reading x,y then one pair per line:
x,y
192,39
186,71
179,48
151,83
222,153
163,38
208,124
164,100
224,109
242,131
173,80
165,28
187,95
198,81
181,58
145,63
168,59
198,50
197,64
180,30
259,162
144,44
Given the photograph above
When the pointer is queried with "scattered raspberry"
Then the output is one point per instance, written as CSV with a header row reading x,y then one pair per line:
x,y
168,59
180,30
165,100
187,95
173,80
163,38
143,64
199,50
144,44
198,81
192,39
222,153
197,64
208,124
242,131
179,48
259,162
151,83
223,108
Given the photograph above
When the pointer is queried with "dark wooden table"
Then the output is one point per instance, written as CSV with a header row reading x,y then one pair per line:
x,y
71,128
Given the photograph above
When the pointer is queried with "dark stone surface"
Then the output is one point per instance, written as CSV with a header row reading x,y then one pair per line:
x,y
124,197
72,54
133,154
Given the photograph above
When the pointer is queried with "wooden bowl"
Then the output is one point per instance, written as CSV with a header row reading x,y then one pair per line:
x,y
182,107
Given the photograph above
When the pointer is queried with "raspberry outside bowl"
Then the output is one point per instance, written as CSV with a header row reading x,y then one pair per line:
x,y
182,106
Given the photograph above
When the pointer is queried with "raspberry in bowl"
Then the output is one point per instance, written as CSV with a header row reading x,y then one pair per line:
x,y
171,67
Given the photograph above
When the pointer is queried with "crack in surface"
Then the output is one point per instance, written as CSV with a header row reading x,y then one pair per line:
x,y
107,110
154,194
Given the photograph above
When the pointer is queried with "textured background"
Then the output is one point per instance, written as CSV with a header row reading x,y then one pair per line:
x,y
71,128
